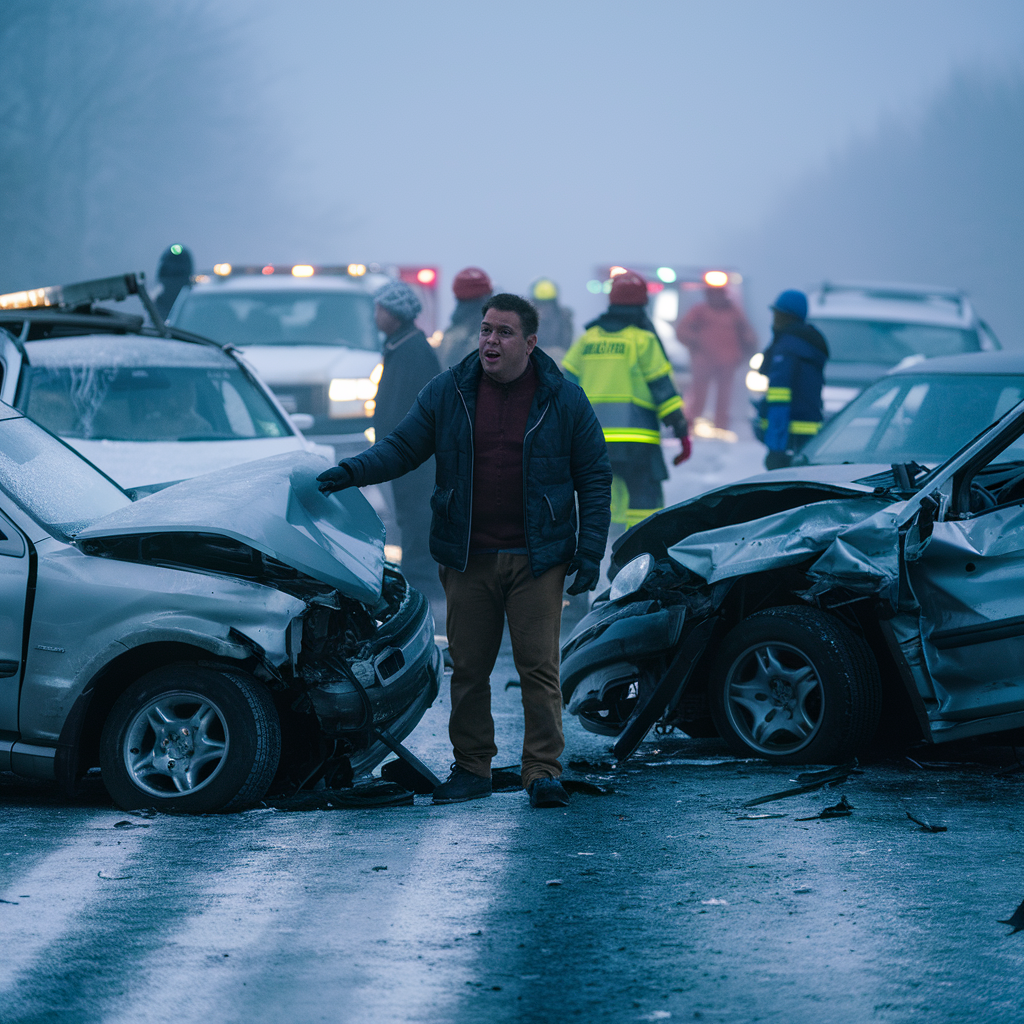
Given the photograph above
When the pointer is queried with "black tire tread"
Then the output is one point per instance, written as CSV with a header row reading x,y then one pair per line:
x,y
268,733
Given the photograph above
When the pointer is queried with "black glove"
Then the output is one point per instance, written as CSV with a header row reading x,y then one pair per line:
x,y
588,572
777,460
337,478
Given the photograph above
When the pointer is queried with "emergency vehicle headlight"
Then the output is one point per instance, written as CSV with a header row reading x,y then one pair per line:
x,y
631,577
302,270
716,278
756,360
222,269
352,389
356,269
757,382
426,276
666,275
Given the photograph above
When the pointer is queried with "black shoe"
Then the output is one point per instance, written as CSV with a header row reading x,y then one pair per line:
x,y
460,786
547,793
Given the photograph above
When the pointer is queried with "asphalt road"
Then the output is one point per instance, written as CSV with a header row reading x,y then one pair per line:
x,y
661,901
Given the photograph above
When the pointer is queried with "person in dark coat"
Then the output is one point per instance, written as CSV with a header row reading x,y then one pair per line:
x,y
173,273
409,363
517,446
472,288
794,364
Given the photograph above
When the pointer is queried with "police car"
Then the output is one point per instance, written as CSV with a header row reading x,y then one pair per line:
x,y
309,332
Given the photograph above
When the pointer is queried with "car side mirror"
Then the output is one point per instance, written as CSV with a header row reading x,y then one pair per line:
x,y
921,527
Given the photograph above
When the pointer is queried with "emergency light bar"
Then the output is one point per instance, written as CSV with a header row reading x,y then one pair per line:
x,y
104,289
426,277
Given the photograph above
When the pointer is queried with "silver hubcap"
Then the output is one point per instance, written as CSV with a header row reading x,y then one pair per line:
x,y
774,698
176,744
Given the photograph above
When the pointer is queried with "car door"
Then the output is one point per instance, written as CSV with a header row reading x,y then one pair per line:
x,y
969,582
14,573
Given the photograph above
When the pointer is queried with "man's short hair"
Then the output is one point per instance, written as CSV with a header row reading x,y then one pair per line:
x,y
506,302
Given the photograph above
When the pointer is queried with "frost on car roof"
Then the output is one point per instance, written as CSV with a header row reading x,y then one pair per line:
x,y
274,506
119,350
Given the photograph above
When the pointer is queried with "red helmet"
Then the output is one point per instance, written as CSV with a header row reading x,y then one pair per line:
x,y
471,283
628,289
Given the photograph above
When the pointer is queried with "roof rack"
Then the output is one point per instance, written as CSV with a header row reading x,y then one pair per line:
x,y
898,292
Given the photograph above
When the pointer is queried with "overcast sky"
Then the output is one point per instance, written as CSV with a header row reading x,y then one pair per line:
x,y
541,138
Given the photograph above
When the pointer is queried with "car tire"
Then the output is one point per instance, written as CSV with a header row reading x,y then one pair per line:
x,y
191,738
794,685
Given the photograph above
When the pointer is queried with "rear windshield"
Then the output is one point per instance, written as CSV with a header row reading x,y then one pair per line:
x,y
151,403
916,418
55,485
877,341
283,318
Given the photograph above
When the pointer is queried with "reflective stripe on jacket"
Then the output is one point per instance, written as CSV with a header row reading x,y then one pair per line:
x,y
628,380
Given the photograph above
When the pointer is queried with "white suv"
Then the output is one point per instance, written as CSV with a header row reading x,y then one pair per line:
x,y
874,328
309,332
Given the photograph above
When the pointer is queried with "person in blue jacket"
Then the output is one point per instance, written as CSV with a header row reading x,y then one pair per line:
x,y
794,364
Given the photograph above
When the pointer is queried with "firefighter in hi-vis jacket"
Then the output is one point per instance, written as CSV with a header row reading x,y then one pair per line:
x,y
620,364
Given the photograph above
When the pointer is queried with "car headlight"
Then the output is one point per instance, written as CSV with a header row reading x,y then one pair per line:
x,y
352,389
631,577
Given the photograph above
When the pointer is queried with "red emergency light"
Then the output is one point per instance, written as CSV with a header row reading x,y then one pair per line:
x,y
426,277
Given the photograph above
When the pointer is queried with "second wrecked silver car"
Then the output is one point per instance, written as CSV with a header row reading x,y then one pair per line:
x,y
205,640
797,612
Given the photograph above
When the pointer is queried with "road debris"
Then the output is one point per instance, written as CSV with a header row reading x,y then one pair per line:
x,y
553,882
580,765
1016,919
811,781
513,683
110,877
758,817
925,827
377,794
843,809
130,824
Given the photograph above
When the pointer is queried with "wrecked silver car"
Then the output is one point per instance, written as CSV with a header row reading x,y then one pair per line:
x,y
202,643
796,612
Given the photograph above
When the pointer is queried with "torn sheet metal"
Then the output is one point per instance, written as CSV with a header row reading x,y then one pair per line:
x,y
786,538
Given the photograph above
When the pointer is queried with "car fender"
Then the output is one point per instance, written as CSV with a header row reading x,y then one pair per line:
x,y
89,610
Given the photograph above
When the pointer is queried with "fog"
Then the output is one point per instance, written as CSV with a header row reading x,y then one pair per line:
x,y
794,140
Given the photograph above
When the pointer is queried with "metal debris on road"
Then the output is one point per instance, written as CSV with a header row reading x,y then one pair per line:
x,y
1016,919
758,817
811,781
130,824
112,878
553,882
380,794
925,827
843,809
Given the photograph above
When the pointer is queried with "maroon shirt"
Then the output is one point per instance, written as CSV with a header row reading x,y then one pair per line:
x,y
498,430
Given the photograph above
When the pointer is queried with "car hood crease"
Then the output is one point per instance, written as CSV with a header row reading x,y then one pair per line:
x,y
274,506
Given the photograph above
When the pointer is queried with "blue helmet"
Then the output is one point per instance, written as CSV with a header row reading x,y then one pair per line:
x,y
793,302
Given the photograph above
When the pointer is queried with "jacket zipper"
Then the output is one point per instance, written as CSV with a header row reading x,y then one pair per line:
x,y
526,518
469,419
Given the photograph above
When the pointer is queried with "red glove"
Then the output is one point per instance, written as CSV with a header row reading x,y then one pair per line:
x,y
687,451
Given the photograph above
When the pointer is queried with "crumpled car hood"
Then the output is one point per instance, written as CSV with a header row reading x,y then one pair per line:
x,y
274,506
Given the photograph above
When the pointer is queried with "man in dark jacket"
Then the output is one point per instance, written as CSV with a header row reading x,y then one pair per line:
x,y
516,447
173,273
409,362
794,364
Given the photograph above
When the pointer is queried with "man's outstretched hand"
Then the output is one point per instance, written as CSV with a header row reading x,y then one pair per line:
x,y
337,478
588,572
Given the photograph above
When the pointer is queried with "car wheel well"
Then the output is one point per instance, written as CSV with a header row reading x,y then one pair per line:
x,y
111,681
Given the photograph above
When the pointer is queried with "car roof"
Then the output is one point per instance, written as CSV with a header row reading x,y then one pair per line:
x,y
893,303
284,283
125,350
969,363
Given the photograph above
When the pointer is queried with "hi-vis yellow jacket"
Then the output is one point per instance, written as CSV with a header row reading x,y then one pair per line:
x,y
628,380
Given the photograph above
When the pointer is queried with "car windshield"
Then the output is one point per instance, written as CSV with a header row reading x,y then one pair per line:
x,y
55,485
151,403
922,418
283,318
879,341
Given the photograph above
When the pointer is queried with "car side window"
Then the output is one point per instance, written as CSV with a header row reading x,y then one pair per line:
x,y
995,481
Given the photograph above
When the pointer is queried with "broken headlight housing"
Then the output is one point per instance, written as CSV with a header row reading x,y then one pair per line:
x,y
631,577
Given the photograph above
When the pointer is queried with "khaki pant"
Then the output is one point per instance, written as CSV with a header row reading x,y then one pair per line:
x,y
495,587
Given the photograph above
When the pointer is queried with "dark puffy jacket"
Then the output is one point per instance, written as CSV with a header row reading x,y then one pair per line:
x,y
409,362
794,364
563,457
